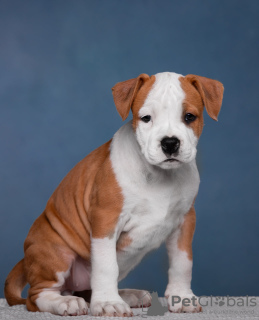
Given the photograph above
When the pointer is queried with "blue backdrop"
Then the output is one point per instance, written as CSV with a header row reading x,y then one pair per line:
x,y
59,60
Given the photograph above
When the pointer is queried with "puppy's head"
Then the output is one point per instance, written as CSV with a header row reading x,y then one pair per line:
x,y
167,113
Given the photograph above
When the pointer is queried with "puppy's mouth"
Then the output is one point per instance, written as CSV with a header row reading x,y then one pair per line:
x,y
171,160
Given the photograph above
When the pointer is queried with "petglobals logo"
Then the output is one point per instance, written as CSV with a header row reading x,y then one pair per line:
x,y
210,301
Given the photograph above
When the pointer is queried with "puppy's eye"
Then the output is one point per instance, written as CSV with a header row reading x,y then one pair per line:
x,y
146,118
188,118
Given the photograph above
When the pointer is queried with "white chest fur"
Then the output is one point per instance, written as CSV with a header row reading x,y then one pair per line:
x,y
155,200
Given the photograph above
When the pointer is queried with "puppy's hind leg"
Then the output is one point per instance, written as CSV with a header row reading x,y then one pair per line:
x,y
48,267
46,292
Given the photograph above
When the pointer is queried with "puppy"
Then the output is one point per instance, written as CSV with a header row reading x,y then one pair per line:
x,y
120,202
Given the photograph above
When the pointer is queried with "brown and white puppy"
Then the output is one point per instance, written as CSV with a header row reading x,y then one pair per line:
x,y
121,201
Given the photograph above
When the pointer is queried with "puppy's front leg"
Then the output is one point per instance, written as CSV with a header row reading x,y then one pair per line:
x,y
179,247
105,300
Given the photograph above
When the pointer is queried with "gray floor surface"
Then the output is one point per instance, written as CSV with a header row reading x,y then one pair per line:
x,y
217,309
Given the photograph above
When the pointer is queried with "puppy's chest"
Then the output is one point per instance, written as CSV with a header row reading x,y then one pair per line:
x,y
151,213
148,224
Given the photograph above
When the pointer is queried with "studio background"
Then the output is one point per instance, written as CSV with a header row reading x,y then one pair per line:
x,y
59,60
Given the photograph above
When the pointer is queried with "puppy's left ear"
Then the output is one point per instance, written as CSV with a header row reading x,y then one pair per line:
x,y
211,92
125,92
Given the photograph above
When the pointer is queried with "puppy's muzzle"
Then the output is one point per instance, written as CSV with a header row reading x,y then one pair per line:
x,y
170,145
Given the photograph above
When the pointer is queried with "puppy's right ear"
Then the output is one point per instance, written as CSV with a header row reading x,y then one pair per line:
x,y
125,92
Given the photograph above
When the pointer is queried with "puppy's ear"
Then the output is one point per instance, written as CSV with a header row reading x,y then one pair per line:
x,y
211,92
125,92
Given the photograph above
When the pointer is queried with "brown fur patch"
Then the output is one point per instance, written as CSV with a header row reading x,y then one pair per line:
x,y
187,232
131,94
106,202
14,284
192,104
140,99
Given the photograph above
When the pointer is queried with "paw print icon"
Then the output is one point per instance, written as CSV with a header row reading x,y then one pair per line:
x,y
220,301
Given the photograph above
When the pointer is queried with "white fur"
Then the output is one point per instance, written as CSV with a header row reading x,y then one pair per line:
x,y
164,105
104,267
105,299
180,266
155,199
180,276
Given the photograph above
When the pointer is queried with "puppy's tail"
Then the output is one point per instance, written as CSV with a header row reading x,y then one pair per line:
x,y
14,284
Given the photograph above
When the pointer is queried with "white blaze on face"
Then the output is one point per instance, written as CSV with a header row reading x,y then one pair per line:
x,y
165,106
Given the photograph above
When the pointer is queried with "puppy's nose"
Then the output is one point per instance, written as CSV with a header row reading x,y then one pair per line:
x,y
170,145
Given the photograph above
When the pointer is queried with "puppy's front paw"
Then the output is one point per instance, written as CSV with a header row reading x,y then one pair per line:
x,y
182,301
110,308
